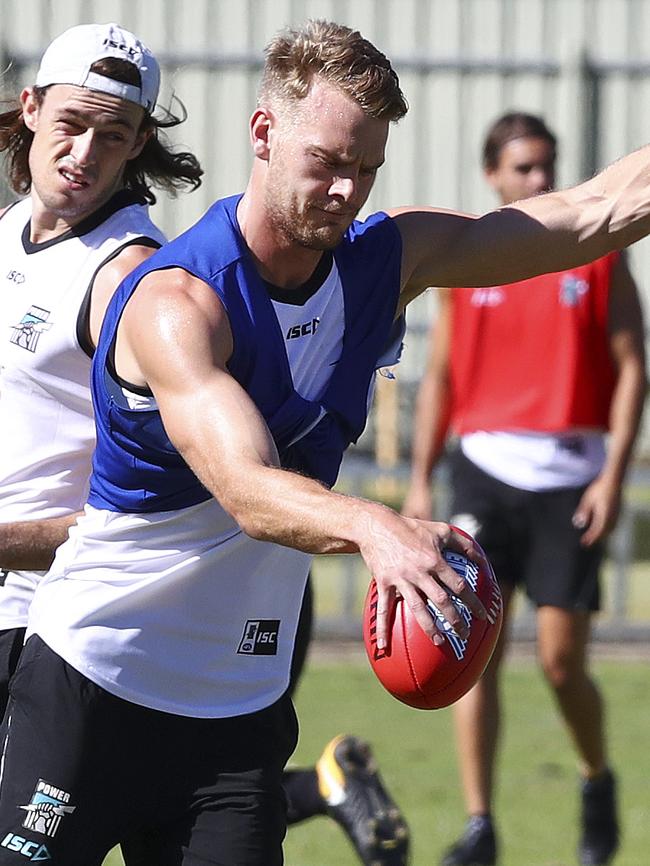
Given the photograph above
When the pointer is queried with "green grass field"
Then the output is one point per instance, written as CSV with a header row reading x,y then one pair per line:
x,y
537,801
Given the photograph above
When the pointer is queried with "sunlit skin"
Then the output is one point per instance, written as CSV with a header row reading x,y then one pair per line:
x,y
526,168
82,142
313,178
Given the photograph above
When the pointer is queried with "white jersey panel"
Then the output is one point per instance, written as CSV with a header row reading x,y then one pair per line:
x,y
537,461
46,424
313,335
47,432
16,594
170,620
194,605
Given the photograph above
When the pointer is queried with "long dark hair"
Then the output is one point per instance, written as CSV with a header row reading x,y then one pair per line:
x,y
158,164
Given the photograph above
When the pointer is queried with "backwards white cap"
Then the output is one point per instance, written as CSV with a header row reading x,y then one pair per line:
x,y
70,56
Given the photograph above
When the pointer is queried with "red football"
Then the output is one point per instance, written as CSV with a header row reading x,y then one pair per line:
x,y
415,670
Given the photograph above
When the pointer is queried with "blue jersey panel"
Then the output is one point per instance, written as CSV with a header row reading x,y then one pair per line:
x,y
137,469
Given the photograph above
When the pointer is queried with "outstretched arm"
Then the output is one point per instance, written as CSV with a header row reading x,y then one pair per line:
x,y
545,233
432,413
599,507
175,337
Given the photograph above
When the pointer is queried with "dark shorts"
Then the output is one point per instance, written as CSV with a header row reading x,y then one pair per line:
x,y
84,770
11,645
528,536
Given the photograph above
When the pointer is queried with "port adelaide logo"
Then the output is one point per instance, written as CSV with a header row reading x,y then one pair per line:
x,y
27,332
260,638
45,811
47,808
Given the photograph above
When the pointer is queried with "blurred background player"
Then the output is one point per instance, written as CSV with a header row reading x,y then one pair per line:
x,y
532,376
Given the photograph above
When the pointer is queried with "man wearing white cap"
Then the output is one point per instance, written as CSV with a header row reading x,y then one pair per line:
x,y
82,146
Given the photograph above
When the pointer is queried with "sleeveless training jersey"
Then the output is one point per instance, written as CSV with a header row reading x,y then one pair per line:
x,y
532,378
158,596
533,355
46,421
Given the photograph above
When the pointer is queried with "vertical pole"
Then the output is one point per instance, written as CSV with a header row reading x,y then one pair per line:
x,y
387,437
621,549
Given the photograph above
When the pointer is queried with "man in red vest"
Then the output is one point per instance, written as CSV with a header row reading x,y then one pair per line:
x,y
531,377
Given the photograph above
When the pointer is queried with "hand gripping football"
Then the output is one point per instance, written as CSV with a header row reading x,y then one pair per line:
x,y
416,671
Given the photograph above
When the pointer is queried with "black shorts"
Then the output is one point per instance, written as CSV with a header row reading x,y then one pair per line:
x,y
84,770
11,645
528,536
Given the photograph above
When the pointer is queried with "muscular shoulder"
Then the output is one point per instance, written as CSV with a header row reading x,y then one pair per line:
x,y
177,287
172,327
181,310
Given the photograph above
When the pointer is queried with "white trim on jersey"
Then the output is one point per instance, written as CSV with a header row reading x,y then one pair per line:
x,y
537,461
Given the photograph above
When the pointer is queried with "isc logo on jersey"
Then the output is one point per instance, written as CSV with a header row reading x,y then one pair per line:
x,y
260,638
16,277
34,851
302,330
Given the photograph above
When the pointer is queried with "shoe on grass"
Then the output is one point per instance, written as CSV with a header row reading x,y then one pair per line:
x,y
600,832
357,799
476,847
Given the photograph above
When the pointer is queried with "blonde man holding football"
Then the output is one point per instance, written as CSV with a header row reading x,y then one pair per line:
x,y
171,612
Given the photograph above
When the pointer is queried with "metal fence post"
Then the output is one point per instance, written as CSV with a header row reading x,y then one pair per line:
x,y
621,547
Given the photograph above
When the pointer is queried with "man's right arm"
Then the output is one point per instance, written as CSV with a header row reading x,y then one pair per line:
x,y
432,412
175,337
29,545
599,506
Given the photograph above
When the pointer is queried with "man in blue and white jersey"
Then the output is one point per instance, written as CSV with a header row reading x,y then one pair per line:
x,y
47,432
233,370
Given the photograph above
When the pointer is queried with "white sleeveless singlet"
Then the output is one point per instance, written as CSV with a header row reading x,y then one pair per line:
x,y
46,424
